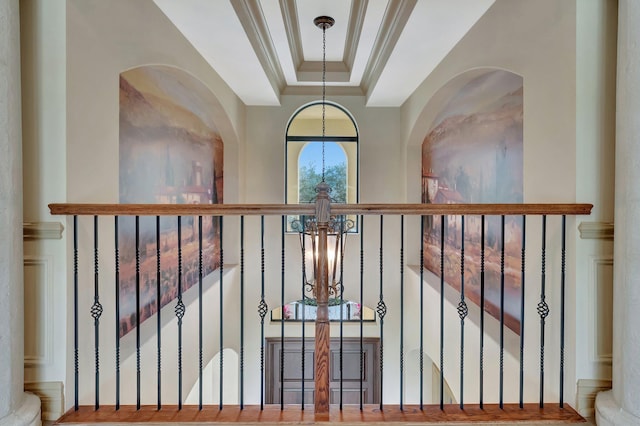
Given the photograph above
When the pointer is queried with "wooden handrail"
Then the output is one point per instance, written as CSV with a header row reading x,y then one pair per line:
x,y
309,209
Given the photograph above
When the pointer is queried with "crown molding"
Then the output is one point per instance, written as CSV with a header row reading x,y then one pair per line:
x,y
312,71
596,230
354,30
395,18
292,28
317,91
32,231
255,26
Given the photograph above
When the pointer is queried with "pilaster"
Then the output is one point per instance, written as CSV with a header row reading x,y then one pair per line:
x,y
16,407
621,405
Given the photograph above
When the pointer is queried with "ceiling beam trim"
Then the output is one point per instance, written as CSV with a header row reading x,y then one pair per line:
x,y
354,30
292,27
255,26
395,18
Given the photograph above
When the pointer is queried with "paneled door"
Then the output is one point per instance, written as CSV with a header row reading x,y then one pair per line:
x,y
291,378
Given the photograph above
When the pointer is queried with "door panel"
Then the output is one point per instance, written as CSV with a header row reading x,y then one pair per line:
x,y
292,376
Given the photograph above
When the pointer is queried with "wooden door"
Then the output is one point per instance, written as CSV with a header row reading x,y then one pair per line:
x,y
290,380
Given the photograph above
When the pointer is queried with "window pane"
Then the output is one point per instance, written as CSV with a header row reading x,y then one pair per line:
x,y
310,171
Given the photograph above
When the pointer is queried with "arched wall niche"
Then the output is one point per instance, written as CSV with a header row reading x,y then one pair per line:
x,y
425,120
170,152
180,96
472,152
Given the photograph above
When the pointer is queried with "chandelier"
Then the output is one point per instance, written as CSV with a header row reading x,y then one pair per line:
x,y
336,227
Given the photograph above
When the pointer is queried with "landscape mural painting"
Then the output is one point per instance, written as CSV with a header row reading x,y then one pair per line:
x,y
473,153
170,153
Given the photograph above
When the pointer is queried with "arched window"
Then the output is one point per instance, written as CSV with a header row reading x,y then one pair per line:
x,y
304,154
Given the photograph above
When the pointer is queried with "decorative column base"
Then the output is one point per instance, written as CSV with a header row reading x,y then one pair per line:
x,y
609,413
27,414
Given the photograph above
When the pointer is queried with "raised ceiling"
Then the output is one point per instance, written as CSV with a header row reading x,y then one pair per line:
x,y
380,49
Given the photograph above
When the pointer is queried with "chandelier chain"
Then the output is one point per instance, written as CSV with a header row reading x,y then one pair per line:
x,y
324,83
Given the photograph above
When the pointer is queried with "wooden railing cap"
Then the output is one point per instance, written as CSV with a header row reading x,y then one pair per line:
x,y
309,209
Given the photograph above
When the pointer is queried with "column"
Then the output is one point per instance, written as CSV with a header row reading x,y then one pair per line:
x,y
621,405
16,407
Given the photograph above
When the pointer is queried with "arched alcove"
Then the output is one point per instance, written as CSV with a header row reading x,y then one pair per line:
x,y
473,153
170,151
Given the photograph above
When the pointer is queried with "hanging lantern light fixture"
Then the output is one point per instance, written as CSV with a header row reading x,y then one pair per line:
x,y
338,226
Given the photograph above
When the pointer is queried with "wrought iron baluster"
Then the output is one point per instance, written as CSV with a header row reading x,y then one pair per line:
x,y
180,311
442,230
543,308
304,272
158,314
562,302
522,293
502,227
76,374
422,219
382,311
221,314
463,311
242,312
262,311
282,268
117,296
482,250
401,311
341,254
361,310
96,311
200,312
138,376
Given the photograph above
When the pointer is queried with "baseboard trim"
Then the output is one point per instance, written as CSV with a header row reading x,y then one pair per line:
x,y
51,398
586,397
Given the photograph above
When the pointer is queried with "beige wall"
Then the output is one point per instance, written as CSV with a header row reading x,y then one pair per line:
x,y
71,135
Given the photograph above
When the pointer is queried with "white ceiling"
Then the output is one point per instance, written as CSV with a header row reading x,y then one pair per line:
x,y
382,49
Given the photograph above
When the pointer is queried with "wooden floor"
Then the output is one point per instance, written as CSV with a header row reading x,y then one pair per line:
x,y
292,414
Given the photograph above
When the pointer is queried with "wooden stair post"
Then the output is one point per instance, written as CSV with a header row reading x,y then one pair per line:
x,y
323,213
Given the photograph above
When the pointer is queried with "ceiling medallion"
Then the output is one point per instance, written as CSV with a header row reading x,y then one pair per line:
x,y
324,22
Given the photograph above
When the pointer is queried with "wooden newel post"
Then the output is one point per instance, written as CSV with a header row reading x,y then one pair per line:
x,y
323,212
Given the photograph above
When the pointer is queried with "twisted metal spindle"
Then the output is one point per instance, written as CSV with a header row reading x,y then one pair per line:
x,y
502,283
463,311
221,372
522,293
117,316
180,311
543,308
138,375
200,339
158,316
241,312
442,230
96,311
482,250
76,372
422,219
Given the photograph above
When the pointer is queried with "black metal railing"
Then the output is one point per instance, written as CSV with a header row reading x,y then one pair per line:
x,y
471,239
